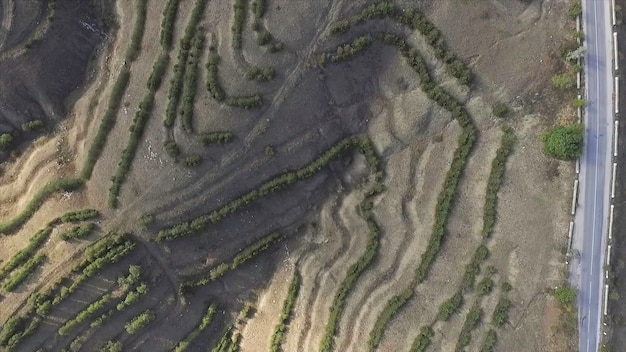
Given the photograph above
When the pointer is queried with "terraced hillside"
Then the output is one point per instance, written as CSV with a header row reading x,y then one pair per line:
x,y
295,176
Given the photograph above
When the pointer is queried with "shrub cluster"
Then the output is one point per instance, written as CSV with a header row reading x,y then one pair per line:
x,y
171,148
78,232
245,101
21,275
15,330
6,139
217,137
381,10
191,73
484,286
168,23
473,267
471,321
204,323
495,179
213,81
348,51
281,181
422,341
84,314
138,30
80,215
241,257
450,306
64,184
260,74
27,253
239,13
111,346
193,160
139,321
501,312
564,142
489,343
33,125
107,123
176,84
132,297
285,315
385,316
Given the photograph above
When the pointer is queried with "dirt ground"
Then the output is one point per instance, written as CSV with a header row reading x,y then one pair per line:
x,y
306,109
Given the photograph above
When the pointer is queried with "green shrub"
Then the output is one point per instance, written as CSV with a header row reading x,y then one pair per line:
x,y
23,273
473,267
450,306
264,37
564,142
285,315
193,160
33,125
501,312
27,253
204,323
10,328
484,286
107,123
422,341
23,331
111,346
383,319
494,182
350,50
259,7
168,23
381,10
565,295
190,83
139,321
78,232
260,74
471,321
575,10
246,101
80,215
489,343
138,30
146,220
6,139
564,81
506,286
239,11
269,151
84,314
172,148
218,137
213,83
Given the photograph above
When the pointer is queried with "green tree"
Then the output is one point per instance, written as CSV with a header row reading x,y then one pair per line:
x,y
564,142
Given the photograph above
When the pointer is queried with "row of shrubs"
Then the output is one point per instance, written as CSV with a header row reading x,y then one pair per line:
x,y
78,232
416,20
176,83
347,51
79,215
19,276
111,346
137,129
501,312
245,101
139,321
64,184
84,314
138,30
204,323
33,125
132,296
168,23
489,342
422,341
239,18
383,319
125,283
26,253
6,139
213,80
216,137
190,83
285,315
241,257
466,143
494,182
371,249
471,322
15,330
279,182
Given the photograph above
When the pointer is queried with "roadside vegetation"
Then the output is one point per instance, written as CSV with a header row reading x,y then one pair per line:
x,y
564,142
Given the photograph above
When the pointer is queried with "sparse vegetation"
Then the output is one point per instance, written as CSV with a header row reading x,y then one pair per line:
x,y
260,74
484,287
285,315
489,343
500,109
564,142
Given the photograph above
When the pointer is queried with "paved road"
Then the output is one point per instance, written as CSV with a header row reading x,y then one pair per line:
x,y
595,172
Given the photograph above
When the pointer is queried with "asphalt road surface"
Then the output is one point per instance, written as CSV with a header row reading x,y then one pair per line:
x,y
591,220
